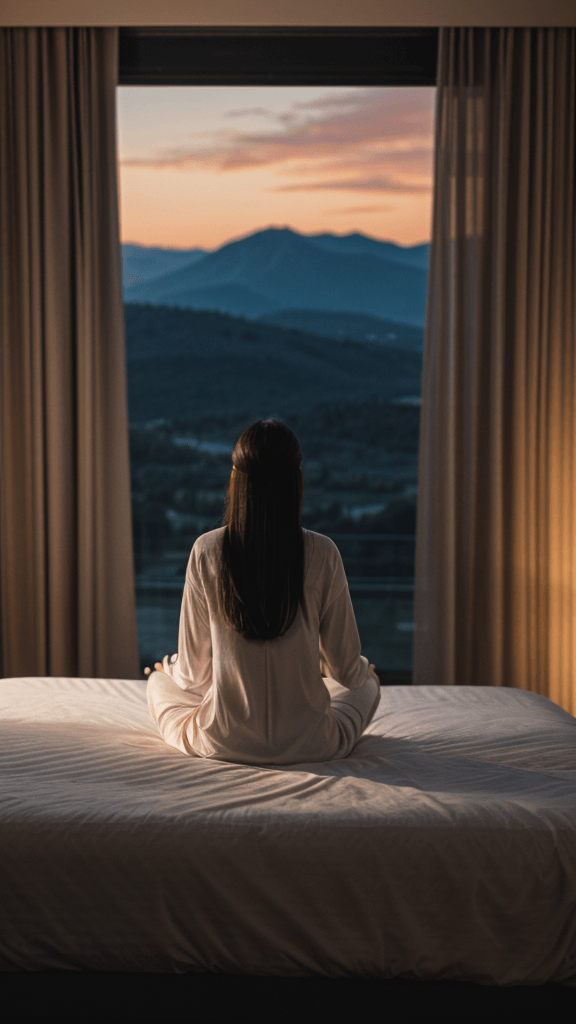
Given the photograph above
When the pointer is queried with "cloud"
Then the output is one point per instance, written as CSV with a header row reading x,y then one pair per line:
x,y
383,136
378,184
249,112
285,117
349,99
361,209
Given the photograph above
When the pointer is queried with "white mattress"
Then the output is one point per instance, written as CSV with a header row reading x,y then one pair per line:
x,y
444,847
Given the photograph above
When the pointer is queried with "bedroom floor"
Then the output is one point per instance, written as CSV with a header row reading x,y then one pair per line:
x,y
222,997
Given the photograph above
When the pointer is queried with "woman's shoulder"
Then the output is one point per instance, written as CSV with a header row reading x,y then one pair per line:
x,y
319,541
208,541
206,549
321,550
323,554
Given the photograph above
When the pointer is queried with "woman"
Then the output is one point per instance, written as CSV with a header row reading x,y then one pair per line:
x,y
268,669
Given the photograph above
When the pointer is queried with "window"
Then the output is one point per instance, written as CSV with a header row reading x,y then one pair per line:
x,y
313,317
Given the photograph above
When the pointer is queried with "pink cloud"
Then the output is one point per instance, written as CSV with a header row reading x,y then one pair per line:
x,y
249,112
381,184
343,100
365,131
360,209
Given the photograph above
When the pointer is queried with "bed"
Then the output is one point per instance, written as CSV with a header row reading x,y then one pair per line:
x,y
443,848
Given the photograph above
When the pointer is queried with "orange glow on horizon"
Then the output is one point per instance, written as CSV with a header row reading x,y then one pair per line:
x,y
198,169
168,219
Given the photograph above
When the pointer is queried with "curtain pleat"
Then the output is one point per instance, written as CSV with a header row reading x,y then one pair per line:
x,y
495,586
67,601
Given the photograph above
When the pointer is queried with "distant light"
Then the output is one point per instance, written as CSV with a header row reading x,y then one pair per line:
x,y
212,447
409,400
364,510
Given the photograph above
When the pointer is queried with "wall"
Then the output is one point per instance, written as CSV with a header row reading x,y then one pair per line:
x,y
288,12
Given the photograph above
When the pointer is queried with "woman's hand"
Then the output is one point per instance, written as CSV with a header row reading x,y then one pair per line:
x,y
373,674
157,665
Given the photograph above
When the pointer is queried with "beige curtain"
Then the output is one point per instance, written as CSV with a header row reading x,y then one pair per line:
x,y
495,588
67,604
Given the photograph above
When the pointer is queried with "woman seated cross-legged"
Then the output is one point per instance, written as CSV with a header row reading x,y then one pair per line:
x,y
268,669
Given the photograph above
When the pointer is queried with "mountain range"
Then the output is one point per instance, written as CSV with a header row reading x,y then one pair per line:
x,y
272,272
143,263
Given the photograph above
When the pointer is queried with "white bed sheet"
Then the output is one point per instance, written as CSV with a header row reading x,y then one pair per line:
x,y
443,847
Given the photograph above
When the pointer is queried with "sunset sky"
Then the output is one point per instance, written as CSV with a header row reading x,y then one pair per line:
x,y
200,165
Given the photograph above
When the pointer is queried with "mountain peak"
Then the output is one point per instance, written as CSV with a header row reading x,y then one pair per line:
x,y
277,268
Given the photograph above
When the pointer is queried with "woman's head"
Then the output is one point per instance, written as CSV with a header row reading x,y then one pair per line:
x,y
263,552
267,445
267,457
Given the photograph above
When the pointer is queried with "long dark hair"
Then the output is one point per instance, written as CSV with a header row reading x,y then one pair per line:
x,y
262,577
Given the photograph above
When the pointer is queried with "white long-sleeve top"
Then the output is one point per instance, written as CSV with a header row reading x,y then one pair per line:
x,y
264,702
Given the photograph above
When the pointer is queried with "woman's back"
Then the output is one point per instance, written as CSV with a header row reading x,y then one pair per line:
x,y
266,701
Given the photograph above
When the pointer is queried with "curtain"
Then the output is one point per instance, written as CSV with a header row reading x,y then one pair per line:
x,y
495,577
67,602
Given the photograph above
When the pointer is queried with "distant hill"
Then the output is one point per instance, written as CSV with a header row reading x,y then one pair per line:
x,y
348,325
357,244
218,361
235,299
288,270
142,263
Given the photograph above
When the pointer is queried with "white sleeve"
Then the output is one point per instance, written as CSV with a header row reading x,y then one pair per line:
x,y
340,656
191,668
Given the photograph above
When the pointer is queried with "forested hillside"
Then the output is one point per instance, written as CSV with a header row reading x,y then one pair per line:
x,y
185,362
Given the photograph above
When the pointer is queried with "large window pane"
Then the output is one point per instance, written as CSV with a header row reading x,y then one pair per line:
x,y
275,264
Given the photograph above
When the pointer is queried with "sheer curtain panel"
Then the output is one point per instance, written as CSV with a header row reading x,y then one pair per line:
x,y
67,603
495,590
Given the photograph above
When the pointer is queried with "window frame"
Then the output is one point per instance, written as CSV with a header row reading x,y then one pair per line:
x,y
264,55
277,56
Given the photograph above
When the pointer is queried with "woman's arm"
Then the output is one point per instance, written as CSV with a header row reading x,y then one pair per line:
x,y
340,656
191,668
